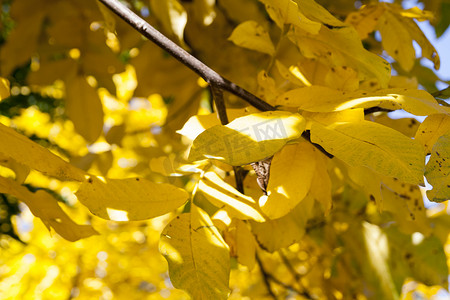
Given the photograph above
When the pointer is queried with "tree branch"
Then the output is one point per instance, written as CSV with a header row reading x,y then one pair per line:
x,y
208,74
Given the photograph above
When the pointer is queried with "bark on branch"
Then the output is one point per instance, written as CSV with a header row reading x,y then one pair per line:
x,y
208,74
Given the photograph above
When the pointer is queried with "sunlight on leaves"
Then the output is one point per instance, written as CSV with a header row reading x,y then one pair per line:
x,y
377,147
4,88
33,155
197,255
45,207
252,36
221,193
131,198
248,139
323,99
291,173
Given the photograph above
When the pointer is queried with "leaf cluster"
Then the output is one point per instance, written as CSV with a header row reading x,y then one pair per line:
x,y
320,198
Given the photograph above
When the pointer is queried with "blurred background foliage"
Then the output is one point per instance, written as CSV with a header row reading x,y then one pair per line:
x,y
46,46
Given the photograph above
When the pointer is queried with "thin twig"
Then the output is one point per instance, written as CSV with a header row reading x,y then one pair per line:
x,y
217,95
286,286
239,178
375,109
307,135
265,276
297,277
208,74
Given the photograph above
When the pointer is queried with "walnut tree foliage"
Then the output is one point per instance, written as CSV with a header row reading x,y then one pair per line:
x,y
156,183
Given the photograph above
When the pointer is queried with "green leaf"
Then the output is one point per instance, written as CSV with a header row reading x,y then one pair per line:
x,y
46,207
28,153
129,199
220,193
248,139
252,36
198,257
437,170
291,173
375,146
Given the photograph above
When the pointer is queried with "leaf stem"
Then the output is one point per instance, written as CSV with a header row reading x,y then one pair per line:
x,y
208,74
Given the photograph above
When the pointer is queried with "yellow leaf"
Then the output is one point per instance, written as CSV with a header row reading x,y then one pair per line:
x,y
323,99
4,88
341,47
428,50
84,108
407,209
407,126
342,78
314,11
438,170
173,17
433,127
199,123
246,245
418,14
129,199
375,146
109,21
252,36
365,19
287,12
412,199
287,230
222,194
197,255
22,41
369,182
45,207
286,74
267,89
33,155
348,115
205,10
291,173
321,183
248,139
20,170
396,40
